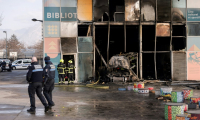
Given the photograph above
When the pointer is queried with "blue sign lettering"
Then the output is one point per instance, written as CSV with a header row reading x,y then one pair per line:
x,y
53,14
68,14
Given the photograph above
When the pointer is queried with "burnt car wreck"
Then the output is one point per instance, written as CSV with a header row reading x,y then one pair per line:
x,y
123,65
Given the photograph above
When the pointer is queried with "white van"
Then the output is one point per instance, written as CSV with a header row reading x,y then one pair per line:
x,y
21,64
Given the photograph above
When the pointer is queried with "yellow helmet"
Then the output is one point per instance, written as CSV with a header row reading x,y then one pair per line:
x,y
70,61
62,61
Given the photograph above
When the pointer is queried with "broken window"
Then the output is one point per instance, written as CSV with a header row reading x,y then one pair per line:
x,y
178,30
101,41
148,66
193,29
84,30
148,37
179,44
163,44
148,10
164,10
116,40
163,66
116,8
132,38
132,10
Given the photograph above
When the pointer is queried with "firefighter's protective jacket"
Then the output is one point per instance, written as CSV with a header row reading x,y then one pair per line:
x,y
61,68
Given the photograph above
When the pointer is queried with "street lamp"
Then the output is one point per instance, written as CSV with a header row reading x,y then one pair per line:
x,y
36,20
42,36
6,42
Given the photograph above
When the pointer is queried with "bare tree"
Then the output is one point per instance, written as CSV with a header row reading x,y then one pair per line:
x,y
1,19
2,44
14,45
38,47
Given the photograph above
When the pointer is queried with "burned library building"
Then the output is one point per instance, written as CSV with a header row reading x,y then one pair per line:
x,y
131,39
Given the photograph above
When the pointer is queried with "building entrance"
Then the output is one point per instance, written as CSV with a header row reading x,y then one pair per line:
x,y
66,58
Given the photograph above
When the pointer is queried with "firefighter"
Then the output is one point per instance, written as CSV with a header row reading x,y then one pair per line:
x,y
61,71
70,72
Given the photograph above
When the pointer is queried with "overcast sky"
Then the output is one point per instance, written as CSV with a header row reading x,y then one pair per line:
x,y
17,14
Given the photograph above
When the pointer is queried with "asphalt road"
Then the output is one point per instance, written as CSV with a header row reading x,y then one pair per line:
x,y
14,77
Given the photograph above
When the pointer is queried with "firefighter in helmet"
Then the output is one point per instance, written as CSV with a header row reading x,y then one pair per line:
x,y
70,72
61,71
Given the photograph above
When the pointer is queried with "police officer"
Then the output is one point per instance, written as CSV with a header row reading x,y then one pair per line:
x,y
48,75
61,71
3,64
34,78
70,72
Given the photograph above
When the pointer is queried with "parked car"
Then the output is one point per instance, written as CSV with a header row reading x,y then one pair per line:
x,y
21,64
7,66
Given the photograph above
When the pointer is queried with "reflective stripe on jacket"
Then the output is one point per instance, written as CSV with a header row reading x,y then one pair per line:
x,y
70,68
61,68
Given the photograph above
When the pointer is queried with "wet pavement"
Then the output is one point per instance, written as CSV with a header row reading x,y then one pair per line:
x,y
14,77
84,103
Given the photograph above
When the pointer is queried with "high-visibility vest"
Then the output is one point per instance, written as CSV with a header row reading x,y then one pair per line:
x,y
61,68
70,68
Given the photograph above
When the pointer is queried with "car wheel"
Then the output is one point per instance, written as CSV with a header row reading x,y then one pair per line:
x,y
14,68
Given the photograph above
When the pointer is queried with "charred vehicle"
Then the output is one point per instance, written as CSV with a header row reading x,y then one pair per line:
x,y
123,65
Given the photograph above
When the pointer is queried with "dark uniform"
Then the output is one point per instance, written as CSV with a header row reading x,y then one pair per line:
x,y
61,71
70,72
48,75
34,77
3,64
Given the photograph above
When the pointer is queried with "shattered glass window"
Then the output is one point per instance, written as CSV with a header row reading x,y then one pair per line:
x,y
193,29
148,10
163,10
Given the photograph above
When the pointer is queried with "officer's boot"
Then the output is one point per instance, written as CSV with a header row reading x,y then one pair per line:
x,y
32,111
46,108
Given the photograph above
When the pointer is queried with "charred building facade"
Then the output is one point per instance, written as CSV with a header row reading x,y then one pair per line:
x,y
164,33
